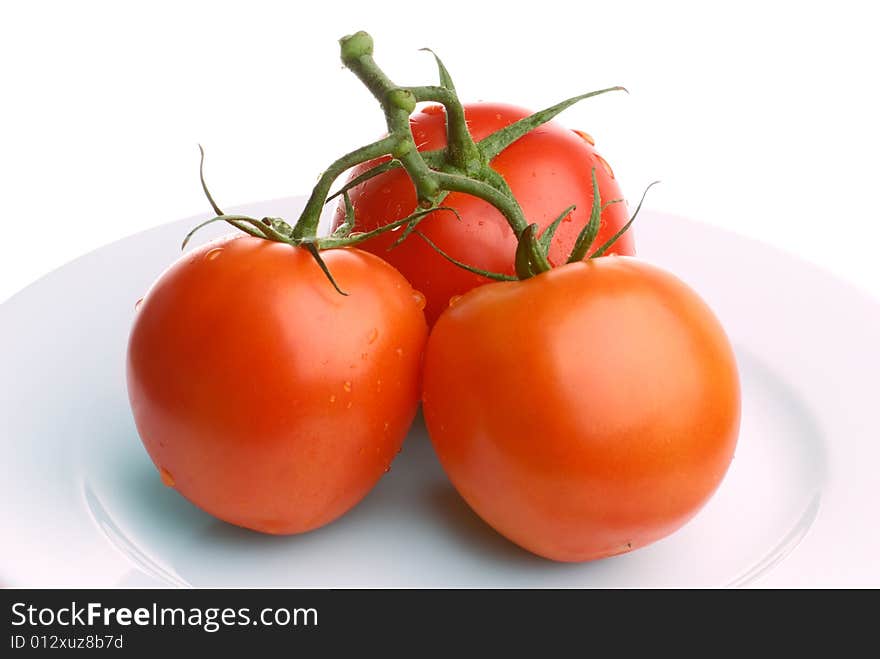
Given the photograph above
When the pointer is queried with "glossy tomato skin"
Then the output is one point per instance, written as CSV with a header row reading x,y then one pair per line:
x,y
585,412
548,170
261,394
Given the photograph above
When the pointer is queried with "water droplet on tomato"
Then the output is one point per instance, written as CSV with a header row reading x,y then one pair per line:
x,y
378,385
364,355
347,386
137,305
167,478
480,223
386,426
399,352
498,116
605,165
454,300
387,469
348,405
332,398
213,253
419,299
586,136
374,334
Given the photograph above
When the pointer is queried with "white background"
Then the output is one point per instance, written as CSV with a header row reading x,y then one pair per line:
x,y
758,117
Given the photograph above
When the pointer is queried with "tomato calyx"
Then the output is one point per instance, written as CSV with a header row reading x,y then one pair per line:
x,y
600,251
588,234
278,230
533,247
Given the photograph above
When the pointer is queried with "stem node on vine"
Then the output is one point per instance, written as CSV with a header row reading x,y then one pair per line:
x,y
402,99
355,46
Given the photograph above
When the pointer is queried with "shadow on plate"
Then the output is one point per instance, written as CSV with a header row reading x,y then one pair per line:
x,y
469,530
413,509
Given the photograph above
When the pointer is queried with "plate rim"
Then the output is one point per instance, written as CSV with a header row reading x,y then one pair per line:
x,y
769,577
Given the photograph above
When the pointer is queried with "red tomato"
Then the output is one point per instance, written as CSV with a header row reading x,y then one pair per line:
x,y
264,396
548,170
585,412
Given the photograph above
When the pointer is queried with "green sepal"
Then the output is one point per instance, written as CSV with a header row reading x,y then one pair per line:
x,y
522,258
547,236
445,78
604,248
312,249
243,223
207,192
495,276
347,225
352,239
417,216
279,226
495,143
590,231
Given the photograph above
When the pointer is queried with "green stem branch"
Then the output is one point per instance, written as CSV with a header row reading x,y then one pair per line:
x,y
307,225
462,166
462,151
505,203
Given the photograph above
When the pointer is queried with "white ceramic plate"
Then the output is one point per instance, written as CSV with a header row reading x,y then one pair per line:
x,y
82,504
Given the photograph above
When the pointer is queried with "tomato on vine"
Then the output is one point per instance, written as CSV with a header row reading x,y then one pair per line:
x,y
547,170
261,394
273,377
584,412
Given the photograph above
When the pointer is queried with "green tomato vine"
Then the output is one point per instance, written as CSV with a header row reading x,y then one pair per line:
x,y
463,165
